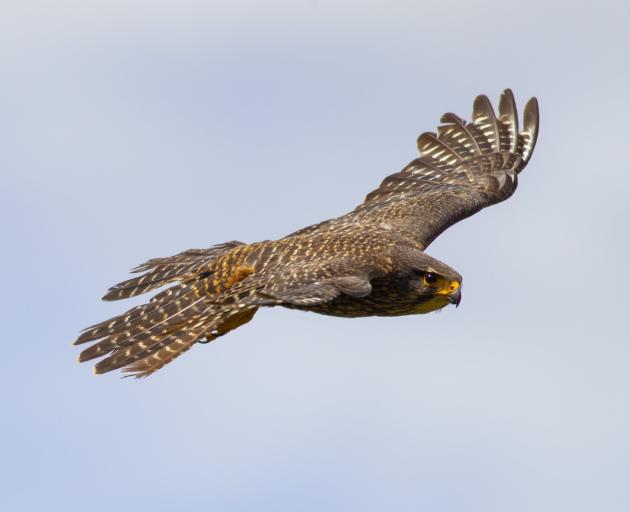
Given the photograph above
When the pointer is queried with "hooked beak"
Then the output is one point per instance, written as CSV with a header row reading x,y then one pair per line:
x,y
455,297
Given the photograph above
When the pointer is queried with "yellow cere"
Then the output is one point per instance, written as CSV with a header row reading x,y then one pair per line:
x,y
453,286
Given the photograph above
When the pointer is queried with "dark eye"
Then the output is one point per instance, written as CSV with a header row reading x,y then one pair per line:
x,y
430,278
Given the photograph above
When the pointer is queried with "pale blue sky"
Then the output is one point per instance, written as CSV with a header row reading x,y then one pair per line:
x,y
137,129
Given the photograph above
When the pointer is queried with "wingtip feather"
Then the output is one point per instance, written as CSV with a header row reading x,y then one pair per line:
x,y
531,121
482,106
532,115
483,115
508,114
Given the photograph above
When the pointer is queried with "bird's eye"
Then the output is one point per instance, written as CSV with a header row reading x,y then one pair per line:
x,y
430,279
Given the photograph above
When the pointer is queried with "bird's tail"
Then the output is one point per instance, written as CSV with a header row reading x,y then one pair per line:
x,y
209,301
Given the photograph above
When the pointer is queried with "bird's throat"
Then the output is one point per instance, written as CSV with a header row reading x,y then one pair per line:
x,y
431,304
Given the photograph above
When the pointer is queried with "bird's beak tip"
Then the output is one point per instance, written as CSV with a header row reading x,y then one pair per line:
x,y
455,297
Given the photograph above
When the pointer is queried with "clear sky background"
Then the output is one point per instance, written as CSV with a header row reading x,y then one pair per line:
x,y
134,129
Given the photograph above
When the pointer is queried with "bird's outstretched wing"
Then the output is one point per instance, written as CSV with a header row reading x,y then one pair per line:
x,y
160,271
463,168
312,292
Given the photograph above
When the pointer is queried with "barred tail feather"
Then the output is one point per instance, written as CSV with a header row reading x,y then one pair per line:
x,y
150,361
145,367
147,355
151,327
149,336
168,303
154,347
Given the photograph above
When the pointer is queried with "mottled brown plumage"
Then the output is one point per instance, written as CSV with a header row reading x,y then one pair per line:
x,y
370,261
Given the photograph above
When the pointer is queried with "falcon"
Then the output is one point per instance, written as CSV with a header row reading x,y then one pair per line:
x,y
368,262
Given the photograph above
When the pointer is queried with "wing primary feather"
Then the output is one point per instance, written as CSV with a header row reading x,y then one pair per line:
x,y
530,128
161,271
431,146
439,189
508,115
149,281
188,256
454,119
485,118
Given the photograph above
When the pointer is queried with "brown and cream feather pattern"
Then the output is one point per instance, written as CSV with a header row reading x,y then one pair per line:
x,y
370,261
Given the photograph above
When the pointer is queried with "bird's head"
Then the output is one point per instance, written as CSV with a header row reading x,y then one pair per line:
x,y
436,284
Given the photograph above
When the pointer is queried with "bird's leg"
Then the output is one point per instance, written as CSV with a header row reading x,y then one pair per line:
x,y
230,324
209,337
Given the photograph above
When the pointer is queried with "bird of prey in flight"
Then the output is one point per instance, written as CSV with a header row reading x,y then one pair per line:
x,y
368,262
